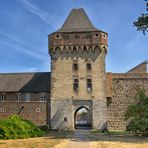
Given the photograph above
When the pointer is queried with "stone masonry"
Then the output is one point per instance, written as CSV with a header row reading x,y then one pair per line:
x,y
69,45
124,89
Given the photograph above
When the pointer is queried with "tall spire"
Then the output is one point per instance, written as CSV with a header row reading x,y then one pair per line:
x,y
77,21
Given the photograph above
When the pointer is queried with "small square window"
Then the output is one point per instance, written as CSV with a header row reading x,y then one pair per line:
x,y
88,66
75,66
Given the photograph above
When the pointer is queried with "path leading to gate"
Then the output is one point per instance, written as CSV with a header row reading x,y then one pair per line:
x,y
79,139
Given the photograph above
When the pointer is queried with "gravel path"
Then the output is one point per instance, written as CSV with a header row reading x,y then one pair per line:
x,y
79,139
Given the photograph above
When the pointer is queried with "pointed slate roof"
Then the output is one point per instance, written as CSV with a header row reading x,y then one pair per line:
x,y
77,21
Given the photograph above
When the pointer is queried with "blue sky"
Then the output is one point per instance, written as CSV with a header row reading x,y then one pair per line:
x,y
25,25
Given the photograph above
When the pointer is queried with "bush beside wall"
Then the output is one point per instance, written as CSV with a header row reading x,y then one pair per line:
x,y
16,127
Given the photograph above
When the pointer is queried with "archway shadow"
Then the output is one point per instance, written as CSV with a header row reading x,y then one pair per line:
x,y
83,118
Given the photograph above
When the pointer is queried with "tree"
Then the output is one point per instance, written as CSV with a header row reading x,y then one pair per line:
x,y
137,114
142,21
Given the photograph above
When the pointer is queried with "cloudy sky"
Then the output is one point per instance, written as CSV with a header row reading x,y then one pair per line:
x,y
25,25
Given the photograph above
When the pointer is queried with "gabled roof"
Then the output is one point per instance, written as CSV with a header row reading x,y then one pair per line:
x,y
140,68
25,82
77,21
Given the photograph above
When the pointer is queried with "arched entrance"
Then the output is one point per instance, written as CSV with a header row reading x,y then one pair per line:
x,y
83,118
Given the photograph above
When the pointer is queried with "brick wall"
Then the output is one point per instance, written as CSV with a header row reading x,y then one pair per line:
x,y
37,112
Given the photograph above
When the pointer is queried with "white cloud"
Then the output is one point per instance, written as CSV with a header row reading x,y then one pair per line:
x,y
32,69
34,54
26,49
50,19
13,38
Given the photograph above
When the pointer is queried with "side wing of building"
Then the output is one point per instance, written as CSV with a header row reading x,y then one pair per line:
x,y
26,94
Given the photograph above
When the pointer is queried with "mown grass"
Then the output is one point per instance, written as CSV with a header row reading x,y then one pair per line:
x,y
49,140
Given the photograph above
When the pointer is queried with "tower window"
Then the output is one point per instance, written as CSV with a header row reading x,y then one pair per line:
x,y
75,66
2,97
88,65
76,85
89,85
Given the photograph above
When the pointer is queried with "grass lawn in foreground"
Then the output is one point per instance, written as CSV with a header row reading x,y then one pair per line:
x,y
61,139
49,140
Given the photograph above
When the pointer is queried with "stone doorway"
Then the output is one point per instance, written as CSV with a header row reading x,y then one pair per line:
x,y
83,118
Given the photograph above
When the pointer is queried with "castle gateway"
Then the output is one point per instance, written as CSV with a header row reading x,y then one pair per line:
x,y
77,93
78,52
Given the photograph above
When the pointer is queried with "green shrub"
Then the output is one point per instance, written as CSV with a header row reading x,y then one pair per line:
x,y
15,127
138,115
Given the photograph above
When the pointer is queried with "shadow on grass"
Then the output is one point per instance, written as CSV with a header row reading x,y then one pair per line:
x,y
87,136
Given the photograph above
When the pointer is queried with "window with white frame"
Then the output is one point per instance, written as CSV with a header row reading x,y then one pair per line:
x,y
27,97
18,95
43,96
2,97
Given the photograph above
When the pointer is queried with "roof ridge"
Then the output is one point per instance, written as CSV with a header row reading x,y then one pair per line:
x,y
18,73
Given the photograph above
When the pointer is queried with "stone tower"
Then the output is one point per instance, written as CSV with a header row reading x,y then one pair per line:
x,y
78,52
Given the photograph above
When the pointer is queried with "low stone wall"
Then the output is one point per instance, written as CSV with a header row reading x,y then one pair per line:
x,y
124,89
37,112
